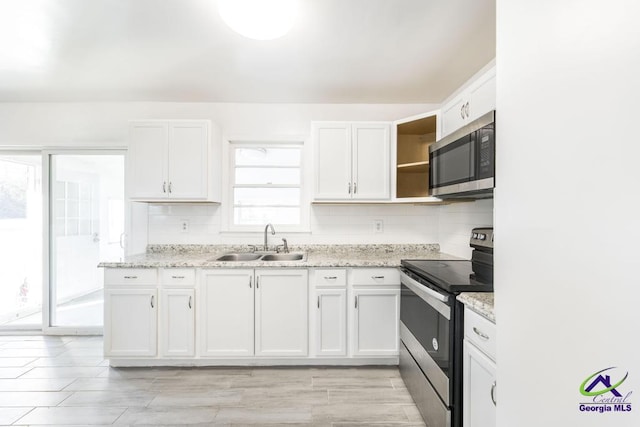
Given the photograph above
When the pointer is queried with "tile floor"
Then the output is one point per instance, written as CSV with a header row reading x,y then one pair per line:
x,y
65,381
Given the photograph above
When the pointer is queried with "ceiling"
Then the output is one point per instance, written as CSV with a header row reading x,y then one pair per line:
x,y
339,51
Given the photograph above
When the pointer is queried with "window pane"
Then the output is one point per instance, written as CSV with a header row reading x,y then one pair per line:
x,y
267,196
267,156
267,176
261,216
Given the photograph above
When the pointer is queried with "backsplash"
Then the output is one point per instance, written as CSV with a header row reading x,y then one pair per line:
x,y
448,225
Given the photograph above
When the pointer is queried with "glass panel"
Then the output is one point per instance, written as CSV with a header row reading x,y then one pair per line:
x,y
248,156
264,215
262,176
267,196
20,241
94,187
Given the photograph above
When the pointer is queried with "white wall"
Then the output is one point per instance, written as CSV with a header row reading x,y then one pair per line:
x,y
456,222
566,214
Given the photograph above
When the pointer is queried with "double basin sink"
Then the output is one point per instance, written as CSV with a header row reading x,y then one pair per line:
x,y
249,256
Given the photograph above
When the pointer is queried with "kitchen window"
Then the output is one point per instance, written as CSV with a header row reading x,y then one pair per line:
x,y
266,185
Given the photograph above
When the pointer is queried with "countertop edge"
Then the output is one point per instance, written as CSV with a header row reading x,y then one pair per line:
x,y
480,302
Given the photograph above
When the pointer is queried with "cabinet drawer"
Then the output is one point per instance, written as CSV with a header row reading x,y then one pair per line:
x,y
330,277
130,276
179,276
375,276
481,332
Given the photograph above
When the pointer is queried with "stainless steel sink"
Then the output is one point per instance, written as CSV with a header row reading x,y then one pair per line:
x,y
282,257
239,257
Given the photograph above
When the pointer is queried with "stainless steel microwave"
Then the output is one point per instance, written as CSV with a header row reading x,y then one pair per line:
x,y
462,164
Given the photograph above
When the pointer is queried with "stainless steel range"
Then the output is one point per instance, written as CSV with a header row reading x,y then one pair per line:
x,y
431,327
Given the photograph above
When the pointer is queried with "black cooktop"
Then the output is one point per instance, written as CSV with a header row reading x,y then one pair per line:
x,y
453,276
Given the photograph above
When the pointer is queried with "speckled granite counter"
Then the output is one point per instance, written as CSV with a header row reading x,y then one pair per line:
x,y
480,302
316,256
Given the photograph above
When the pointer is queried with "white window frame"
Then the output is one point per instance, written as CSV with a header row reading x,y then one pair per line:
x,y
228,182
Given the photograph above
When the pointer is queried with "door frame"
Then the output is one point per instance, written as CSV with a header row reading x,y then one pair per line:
x,y
47,154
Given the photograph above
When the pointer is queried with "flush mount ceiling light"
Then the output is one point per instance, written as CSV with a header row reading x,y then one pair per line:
x,y
259,19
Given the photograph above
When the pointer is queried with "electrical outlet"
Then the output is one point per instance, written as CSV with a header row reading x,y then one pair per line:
x,y
377,226
184,226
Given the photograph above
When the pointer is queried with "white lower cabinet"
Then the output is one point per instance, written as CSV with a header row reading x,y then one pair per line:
x,y
227,313
479,372
262,313
375,322
178,321
331,322
130,322
281,313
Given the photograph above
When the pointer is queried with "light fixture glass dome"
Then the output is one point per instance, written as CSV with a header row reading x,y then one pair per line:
x,y
259,19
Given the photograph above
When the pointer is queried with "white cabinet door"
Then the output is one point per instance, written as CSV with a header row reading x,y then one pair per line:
x,y
227,312
331,322
281,306
371,162
332,142
147,160
453,115
482,96
375,322
130,322
188,160
479,388
177,322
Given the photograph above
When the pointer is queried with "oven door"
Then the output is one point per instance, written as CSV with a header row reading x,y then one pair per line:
x,y
425,330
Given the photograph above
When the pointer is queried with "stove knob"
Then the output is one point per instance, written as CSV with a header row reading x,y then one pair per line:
x,y
475,235
482,236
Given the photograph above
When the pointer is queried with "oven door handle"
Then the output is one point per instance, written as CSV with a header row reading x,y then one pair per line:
x,y
431,297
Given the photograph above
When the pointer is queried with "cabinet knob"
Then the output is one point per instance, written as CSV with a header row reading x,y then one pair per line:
x,y
356,303
250,279
466,109
190,297
462,111
349,188
355,187
318,301
164,186
130,277
330,277
170,186
152,305
377,277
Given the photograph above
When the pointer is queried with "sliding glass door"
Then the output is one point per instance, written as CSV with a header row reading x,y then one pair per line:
x,y
21,241
86,227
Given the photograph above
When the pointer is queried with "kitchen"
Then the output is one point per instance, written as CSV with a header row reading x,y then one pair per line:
x,y
555,227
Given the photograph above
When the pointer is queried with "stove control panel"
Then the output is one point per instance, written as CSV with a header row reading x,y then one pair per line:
x,y
482,237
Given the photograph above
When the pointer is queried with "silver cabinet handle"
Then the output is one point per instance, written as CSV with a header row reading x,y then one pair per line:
x,y
152,306
250,279
356,306
377,277
330,277
190,301
493,393
349,188
462,111
177,277
164,186
130,277
466,109
257,282
355,187
170,185
318,301
480,333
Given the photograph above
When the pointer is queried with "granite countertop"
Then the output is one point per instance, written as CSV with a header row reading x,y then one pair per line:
x,y
480,302
378,255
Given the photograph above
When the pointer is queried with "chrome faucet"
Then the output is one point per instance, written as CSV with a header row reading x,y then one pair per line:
x,y
273,231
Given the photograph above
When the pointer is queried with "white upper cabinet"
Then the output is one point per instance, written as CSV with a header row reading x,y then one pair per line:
x,y
475,98
172,160
351,160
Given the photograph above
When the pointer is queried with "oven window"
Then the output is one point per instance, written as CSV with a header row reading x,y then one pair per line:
x,y
458,160
429,327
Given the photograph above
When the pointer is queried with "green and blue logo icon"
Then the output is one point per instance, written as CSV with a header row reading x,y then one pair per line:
x,y
605,392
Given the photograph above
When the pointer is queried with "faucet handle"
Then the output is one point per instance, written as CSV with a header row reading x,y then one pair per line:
x,y
285,245
252,248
